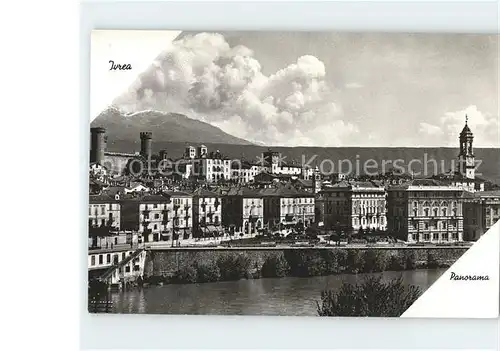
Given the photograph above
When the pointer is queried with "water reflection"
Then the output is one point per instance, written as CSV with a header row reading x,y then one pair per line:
x,y
288,296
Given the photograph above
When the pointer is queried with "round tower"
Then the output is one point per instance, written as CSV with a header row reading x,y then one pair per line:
x,y
97,144
146,140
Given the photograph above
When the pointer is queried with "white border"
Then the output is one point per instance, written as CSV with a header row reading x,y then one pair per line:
x,y
120,331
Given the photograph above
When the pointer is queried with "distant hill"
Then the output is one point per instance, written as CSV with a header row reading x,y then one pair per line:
x,y
489,168
172,127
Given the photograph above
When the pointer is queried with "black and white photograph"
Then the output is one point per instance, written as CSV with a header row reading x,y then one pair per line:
x,y
328,174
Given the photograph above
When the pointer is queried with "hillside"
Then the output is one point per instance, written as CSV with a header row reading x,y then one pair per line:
x,y
173,127
438,160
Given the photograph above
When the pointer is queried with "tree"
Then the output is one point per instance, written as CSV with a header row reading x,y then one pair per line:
x,y
371,298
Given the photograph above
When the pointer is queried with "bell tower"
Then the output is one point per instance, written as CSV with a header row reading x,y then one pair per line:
x,y
466,162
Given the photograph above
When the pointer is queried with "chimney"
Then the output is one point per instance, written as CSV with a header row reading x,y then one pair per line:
x,y
146,139
97,144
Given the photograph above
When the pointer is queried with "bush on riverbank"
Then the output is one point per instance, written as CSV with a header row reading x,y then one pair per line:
x,y
374,261
186,274
296,263
305,263
234,267
396,263
208,272
275,267
410,260
354,261
371,298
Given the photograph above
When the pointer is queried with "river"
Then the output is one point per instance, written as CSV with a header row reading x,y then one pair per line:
x,y
287,296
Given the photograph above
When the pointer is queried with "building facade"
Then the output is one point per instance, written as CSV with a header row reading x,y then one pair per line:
x,y
242,210
481,212
104,211
426,210
286,207
355,205
182,215
207,213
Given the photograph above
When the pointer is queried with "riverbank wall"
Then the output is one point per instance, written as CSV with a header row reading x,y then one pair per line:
x,y
205,265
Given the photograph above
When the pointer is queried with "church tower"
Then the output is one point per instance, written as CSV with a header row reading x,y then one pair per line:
x,y
466,163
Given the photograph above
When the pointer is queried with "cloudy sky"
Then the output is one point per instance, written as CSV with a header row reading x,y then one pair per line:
x,y
328,89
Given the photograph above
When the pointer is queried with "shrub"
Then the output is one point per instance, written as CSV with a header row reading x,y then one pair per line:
x,y
305,263
374,261
354,261
396,263
410,260
275,266
208,272
341,258
432,261
234,267
187,274
371,298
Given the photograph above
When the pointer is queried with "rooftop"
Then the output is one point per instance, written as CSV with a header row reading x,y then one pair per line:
x,y
202,192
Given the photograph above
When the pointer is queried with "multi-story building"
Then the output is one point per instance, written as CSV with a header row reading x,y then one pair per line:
x,y
243,210
104,211
285,207
207,213
244,172
273,162
354,205
182,214
481,212
148,215
425,210
212,167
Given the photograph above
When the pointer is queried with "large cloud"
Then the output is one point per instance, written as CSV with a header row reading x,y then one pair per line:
x,y
445,131
206,78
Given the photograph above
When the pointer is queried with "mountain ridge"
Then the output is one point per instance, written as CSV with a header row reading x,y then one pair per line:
x,y
175,127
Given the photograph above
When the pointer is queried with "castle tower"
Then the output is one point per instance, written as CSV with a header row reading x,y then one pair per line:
x,y
146,140
97,144
466,162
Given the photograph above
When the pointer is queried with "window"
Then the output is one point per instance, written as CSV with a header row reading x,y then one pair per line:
x,y
157,216
108,258
426,212
454,236
103,209
103,222
435,236
427,236
110,207
127,269
116,241
444,236
444,211
92,260
155,227
100,259
435,212
123,256
155,205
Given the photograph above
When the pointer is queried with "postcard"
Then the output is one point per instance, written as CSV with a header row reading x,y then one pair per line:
x,y
325,174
